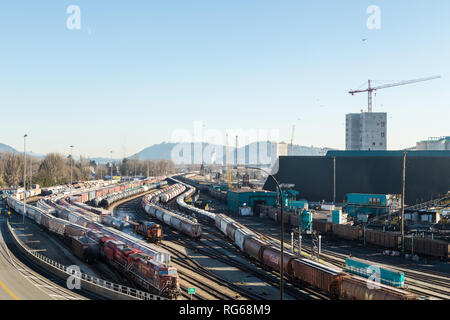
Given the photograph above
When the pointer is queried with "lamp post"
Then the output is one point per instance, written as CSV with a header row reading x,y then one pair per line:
x,y
282,228
24,177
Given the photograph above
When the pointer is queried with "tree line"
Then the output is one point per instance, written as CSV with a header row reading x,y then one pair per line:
x,y
55,169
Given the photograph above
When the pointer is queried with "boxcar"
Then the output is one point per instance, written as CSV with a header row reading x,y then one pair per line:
x,y
322,226
316,275
435,248
347,232
389,240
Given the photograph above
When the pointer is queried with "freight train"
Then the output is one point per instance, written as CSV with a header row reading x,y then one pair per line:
x,y
146,266
176,220
335,283
387,240
201,215
109,199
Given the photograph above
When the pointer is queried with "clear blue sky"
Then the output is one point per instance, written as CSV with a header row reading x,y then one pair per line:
x,y
137,70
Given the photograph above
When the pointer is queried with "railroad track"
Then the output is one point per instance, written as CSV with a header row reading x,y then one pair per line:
x,y
415,281
191,272
250,266
193,266
260,271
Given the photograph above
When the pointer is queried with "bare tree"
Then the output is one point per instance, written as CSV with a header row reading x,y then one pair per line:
x,y
53,170
13,167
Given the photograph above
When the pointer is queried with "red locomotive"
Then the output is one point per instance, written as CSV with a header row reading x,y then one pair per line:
x,y
150,230
138,266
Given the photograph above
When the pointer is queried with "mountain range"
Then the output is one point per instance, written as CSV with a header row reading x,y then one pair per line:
x,y
210,153
198,152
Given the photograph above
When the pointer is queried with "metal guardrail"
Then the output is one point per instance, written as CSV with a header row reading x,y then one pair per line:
x,y
142,295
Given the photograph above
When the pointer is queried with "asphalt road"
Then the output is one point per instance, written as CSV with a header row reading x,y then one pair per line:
x,y
19,282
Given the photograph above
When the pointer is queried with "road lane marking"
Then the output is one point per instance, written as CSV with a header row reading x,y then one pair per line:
x,y
8,291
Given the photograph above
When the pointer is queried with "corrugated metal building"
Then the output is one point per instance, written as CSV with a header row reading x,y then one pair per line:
x,y
246,197
375,172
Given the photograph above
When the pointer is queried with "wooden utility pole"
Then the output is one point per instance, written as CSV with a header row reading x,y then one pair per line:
x,y
403,202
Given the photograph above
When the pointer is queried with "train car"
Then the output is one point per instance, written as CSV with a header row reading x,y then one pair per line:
x,y
270,257
150,230
113,222
378,273
74,231
316,275
85,248
240,235
428,247
231,230
322,226
174,192
357,288
347,232
57,226
150,275
388,240
253,247
186,225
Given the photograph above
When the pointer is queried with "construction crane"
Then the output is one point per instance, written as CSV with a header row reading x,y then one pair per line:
x,y
227,165
292,140
371,89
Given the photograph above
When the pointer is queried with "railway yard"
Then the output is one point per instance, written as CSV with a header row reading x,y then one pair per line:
x,y
149,238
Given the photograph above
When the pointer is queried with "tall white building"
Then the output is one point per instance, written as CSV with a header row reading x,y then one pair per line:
x,y
438,143
366,131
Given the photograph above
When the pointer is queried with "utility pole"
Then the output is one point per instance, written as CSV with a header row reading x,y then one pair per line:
x,y
403,202
24,178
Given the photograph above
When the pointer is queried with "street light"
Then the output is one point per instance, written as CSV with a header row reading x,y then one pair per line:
x,y
24,177
282,229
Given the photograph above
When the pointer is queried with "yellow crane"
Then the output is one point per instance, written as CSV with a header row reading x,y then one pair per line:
x,y
292,140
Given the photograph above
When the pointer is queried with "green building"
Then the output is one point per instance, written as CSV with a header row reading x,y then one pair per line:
x,y
250,198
